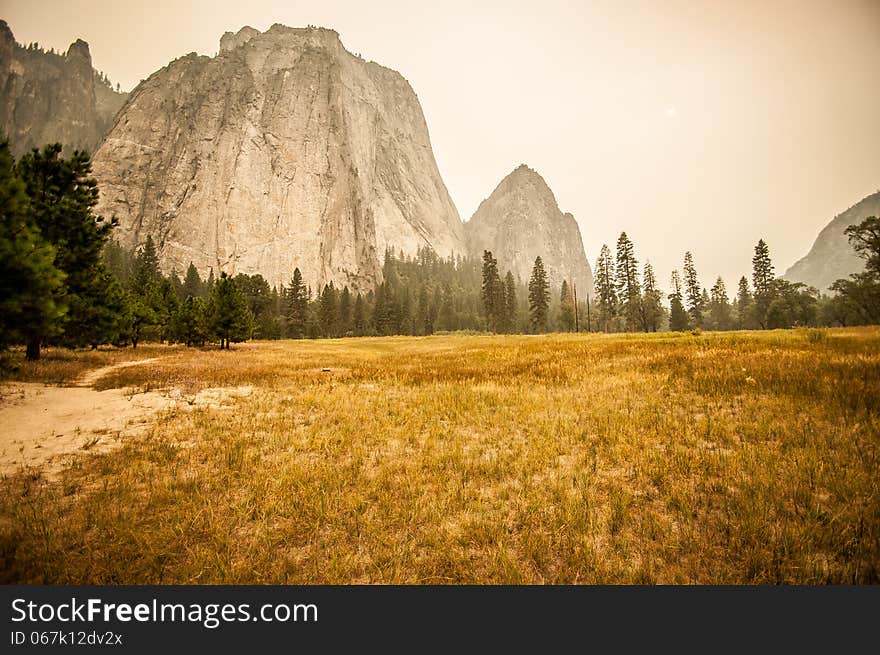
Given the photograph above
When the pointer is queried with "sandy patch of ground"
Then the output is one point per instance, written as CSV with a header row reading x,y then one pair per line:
x,y
41,426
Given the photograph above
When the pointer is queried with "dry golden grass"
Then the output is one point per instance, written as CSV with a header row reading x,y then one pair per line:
x,y
62,366
720,458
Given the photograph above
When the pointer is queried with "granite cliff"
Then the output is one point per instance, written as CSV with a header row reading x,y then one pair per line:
x,y
284,150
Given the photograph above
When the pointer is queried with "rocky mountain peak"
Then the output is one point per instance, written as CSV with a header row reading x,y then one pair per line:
x,y
520,221
50,97
6,35
79,49
7,43
524,181
524,169
230,41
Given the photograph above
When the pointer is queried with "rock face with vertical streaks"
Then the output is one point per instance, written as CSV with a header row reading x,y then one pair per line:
x,y
284,150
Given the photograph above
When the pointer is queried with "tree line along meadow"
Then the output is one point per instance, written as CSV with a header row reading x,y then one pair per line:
x,y
66,282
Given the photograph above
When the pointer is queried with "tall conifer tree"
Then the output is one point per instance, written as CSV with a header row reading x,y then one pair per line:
x,y
539,297
492,293
652,306
719,307
566,307
31,286
743,305
693,291
762,282
510,322
628,288
678,317
62,195
228,314
296,307
606,292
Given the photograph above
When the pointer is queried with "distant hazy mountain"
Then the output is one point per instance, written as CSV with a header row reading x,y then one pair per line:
x,y
831,256
521,221
46,97
285,150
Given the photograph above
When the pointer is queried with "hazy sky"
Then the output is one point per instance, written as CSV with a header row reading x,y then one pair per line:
x,y
690,125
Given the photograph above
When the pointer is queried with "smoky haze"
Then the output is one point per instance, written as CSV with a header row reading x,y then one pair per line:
x,y
699,126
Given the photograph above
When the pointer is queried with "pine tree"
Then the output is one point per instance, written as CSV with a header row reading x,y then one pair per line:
x,y
62,195
627,284
378,320
566,307
345,309
386,312
359,316
719,307
743,304
448,318
192,283
651,300
762,282
107,316
140,318
31,305
407,315
678,317
120,262
762,269
228,315
509,303
606,293
260,301
148,310
492,293
539,297
176,284
313,323
693,291
168,304
296,311
328,311
424,313
190,322
147,276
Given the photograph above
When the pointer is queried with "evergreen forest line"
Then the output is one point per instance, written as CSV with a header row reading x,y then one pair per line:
x,y
66,282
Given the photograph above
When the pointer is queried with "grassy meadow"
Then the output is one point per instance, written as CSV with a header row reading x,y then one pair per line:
x,y
672,458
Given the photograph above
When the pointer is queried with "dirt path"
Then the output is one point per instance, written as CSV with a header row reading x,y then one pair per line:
x,y
41,426
90,377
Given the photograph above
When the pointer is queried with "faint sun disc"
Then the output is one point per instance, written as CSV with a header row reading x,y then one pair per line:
x,y
671,111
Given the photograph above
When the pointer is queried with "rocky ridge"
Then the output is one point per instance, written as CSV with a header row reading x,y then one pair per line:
x,y
832,257
46,97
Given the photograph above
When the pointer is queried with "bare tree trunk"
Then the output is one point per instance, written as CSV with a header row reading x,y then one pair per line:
x,y
33,349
